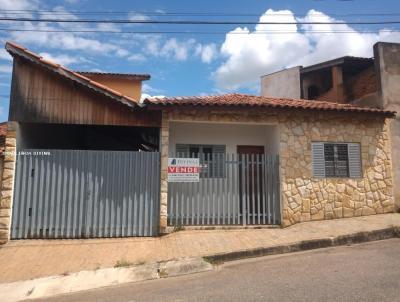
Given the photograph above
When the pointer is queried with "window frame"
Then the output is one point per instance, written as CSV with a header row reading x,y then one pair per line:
x,y
218,172
354,165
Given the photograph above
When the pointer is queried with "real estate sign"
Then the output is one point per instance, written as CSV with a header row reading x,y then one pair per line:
x,y
183,169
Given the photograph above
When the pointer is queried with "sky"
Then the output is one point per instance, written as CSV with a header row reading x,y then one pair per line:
x,y
186,62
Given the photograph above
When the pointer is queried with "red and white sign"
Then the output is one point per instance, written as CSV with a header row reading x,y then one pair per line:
x,y
183,170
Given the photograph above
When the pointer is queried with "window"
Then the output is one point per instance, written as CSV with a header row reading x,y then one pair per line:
x,y
313,92
212,158
336,159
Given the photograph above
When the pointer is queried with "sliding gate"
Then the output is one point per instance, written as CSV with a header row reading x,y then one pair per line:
x,y
234,189
81,194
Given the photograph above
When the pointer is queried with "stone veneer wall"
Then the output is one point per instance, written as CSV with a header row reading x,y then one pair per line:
x,y
7,183
164,140
303,197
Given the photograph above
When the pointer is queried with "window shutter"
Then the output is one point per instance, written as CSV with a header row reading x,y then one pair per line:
x,y
354,160
318,159
182,150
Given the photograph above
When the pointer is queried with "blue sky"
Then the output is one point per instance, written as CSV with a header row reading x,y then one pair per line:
x,y
194,64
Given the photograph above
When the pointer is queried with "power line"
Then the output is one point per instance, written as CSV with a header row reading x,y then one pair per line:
x,y
185,13
200,32
193,22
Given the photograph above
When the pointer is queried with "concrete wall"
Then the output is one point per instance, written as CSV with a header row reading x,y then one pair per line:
x,y
230,135
387,63
284,84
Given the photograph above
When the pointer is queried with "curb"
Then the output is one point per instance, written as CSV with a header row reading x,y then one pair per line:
x,y
85,280
305,245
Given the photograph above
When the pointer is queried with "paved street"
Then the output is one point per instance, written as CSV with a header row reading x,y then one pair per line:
x,y
366,272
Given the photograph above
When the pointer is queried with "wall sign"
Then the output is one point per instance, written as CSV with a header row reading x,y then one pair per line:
x,y
183,170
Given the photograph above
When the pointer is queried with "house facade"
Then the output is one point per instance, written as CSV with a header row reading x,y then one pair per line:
x,y
294,131
369,82
83,159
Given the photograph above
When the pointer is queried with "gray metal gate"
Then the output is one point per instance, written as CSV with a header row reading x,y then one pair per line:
x,y
234,189
81,194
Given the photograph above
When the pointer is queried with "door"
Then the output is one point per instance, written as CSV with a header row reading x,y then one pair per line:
x,y
250,182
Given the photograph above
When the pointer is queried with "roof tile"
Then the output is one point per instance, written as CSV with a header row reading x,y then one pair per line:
x,y
236,99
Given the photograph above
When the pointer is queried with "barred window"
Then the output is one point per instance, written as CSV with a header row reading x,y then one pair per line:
x,y
212,158
336,159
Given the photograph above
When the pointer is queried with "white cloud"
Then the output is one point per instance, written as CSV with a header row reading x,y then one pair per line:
x,y
59,40
137,57
137,17
171,48
249,54
207,52
62,58
18,4
4,55
5,68
67,41
146,96
178,50
148,89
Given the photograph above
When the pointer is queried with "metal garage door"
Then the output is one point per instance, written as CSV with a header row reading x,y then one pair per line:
x,y
81,194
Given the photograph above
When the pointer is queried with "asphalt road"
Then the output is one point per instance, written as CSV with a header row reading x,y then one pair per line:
x,y
365,272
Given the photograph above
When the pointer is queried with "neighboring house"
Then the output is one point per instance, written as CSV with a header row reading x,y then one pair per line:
x,y
80,170
370,82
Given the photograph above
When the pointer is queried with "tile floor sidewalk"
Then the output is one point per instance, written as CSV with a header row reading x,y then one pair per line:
x,y
28,259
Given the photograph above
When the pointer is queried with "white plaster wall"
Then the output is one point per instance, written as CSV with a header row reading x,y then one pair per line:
x,y
230,135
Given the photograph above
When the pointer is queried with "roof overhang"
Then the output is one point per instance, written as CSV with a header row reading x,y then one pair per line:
x,y
18,51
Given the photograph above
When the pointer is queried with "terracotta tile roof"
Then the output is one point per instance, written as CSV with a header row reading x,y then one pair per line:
x,y
18,50
134,76
244,100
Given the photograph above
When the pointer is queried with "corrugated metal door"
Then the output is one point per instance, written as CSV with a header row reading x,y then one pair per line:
x,y
82,194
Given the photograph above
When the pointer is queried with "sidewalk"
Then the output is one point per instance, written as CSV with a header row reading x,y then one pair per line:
x,y
28,259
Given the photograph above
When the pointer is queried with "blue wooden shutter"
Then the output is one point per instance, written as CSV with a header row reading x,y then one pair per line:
x,y
354,160
318,159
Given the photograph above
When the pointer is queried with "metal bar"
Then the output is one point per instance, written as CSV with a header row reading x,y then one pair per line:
x,y
76,191
34,208
192,190
258,174
131,184
253,197
46,201
150,191
247,178
243,183
146,221
101,198
269,177
218,188
263,195
40,211
19,201
198,199
209,191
